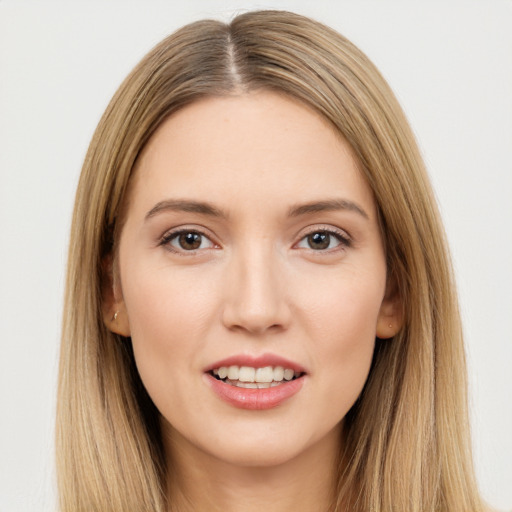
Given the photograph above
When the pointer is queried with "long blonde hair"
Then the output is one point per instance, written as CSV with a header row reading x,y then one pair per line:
x,y
407,445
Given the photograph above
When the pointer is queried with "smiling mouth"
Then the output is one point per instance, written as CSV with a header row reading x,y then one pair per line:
x,y
254,378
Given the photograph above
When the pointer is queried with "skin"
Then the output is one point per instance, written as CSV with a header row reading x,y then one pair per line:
x,y
254,285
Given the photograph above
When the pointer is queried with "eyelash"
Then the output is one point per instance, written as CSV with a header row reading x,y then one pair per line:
x,y
344,240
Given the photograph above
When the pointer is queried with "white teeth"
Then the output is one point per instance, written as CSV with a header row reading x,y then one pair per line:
x,y
278,373
252,385
248,385
246,374
288,374
233,373
265,374
264,377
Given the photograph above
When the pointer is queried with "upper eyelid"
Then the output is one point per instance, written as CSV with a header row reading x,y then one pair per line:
x,y
324,227
192,228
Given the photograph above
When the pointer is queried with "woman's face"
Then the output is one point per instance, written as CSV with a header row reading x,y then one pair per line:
x,y
252,279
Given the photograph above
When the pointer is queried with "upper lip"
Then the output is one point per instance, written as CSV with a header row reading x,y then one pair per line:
x,y
256,362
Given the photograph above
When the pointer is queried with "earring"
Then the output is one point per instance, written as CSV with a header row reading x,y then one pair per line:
x,y
390,325
114,318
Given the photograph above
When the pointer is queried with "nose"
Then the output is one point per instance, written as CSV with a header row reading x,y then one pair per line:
x,y
256,293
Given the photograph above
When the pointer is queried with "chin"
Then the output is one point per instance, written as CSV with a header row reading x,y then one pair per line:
x,y
252,454
261,446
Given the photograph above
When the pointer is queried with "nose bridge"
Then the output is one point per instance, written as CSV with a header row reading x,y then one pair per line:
x,y
256,299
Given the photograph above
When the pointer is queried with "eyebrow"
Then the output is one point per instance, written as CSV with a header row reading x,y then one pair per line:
x,y
327,206
204,208
182,205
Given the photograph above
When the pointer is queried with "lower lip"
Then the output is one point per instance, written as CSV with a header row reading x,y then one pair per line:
x,y
255,399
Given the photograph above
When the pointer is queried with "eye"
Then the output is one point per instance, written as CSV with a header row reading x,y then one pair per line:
x,y
187,240
324,240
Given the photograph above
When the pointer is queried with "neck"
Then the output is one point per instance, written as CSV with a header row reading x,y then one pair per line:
x,y
200,482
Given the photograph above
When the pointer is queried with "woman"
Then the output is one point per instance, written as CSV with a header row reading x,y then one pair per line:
x,y
260,309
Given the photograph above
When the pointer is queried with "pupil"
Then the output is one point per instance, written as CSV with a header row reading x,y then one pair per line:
x,y
190,241
319,240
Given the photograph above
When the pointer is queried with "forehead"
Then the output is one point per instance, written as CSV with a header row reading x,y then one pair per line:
x,y
256,147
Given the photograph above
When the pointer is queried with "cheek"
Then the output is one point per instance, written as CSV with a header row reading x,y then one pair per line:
x,y
169,316
342,305
341,318
167,302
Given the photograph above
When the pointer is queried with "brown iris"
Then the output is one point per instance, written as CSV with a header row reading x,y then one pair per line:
x,y
319,240
190,241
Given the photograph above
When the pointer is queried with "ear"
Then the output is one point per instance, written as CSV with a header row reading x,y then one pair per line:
x,y
391,314
115,316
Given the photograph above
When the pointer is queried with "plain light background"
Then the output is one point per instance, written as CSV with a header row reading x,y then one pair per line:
x,y
450,64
